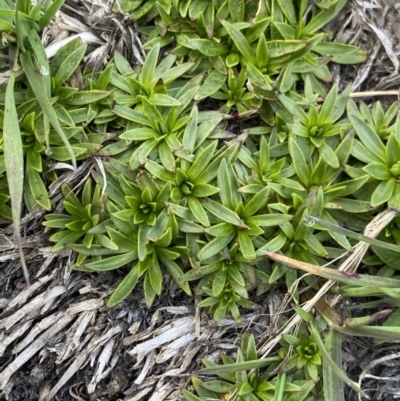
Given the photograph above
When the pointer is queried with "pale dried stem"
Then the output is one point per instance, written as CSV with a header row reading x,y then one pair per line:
x,y
349,265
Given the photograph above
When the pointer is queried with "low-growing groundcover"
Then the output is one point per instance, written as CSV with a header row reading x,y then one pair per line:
x,y
211,197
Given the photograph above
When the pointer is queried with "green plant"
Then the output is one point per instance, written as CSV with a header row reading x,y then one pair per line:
x,y
237,384
235,93
382,122
319,125
23,49
83,217
201,30
307,356
382,161
150,83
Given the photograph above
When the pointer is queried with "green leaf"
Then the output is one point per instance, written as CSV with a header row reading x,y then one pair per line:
x,y
329,154
124,288
328,105
189,396
223,213
288,10
176,273
86,97
6,26
334,390
226,183
246,390
257,78
237,10
120,239
323,17
149,293
159,99
38,87
235,274
166,157
357,57
214,82
38,189
378,170
240,366
64,237
262,52
151,112
142,242
293,108
256,29
280,386
218,282
201,162
334,48
172,74
105,77
106,242
241,42
246,245
50,13
139,134
218,386
256,202
212,169
221,230
198,211
95,250
14,164
204,190
209,48
63,53
148,77
368,137
155,275
383,192
299,162
269,220
393,145
139,156
286,31
215,246
113,262
69,65
279,48
122,64
131,115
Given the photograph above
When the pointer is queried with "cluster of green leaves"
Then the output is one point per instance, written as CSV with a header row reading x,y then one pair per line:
x,y
185,191
241,378
277,41
182,193
179,191
306,367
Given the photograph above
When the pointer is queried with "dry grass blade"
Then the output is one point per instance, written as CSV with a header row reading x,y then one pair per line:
x,y
376,362
349,265
14,161
332,274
